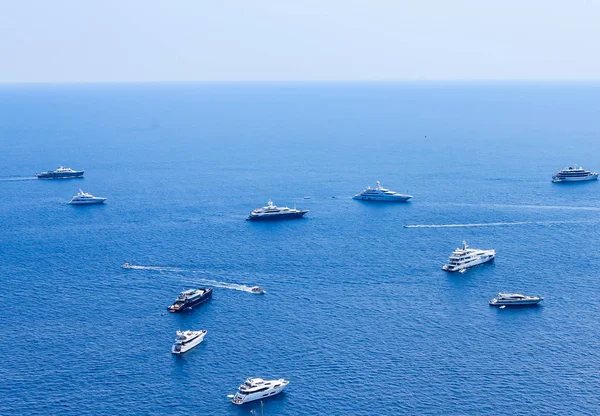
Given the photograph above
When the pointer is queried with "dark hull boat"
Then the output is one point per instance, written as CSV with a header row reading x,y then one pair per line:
x,y
60,173
274,213
188,299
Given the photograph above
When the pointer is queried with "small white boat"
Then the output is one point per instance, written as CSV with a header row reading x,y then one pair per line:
x,y
186,340
257,389
83,198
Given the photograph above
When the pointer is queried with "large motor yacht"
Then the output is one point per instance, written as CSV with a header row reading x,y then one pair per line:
x,y
83,198
186,340
574,174
465,257
273,212
379,193
190,298
257,388
60,173
515,299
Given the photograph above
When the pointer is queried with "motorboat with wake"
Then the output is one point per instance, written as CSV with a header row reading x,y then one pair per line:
x,y
515,299
186,340
465,257
273,212
60,173
190,298
257,290
257,389
379,193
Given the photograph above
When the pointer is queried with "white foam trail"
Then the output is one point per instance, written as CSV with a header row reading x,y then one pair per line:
x,y
155,268
548,207
223,285
18,179
496,224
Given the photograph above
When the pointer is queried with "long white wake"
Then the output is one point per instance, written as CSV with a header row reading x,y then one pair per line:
x,y
200,281
30,178
496,224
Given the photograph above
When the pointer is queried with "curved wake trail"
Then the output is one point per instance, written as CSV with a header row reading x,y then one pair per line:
x,y
496,224
155,268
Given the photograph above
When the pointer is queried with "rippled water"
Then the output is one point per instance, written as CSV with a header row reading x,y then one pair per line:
x,y
357,314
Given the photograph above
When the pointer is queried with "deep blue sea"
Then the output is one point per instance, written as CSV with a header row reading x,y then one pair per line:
x,y
358,315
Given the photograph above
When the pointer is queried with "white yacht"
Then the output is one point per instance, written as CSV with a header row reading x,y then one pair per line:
x,y
256,389
83,198
574,174
379,193
273,212
186,340
465,257
515,299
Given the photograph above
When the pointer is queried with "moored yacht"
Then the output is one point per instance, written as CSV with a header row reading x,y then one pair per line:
x,y
574,174
190,298
60,173
465,257
83,198
515,299
186,340
379,193
273,212
257,388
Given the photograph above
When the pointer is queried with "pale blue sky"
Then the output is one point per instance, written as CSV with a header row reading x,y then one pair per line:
x,y
258,40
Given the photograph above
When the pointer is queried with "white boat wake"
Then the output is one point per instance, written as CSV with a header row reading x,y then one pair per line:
x,y
496,224
29,178
200,281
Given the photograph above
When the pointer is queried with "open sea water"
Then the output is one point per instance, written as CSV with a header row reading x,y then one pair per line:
x,y
358,314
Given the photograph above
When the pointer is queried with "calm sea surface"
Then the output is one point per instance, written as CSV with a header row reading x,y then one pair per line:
x,y
358,315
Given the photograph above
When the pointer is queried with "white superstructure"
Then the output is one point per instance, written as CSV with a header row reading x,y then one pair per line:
x,y
465,257
83,198
515,299
186,340
379,193
257,388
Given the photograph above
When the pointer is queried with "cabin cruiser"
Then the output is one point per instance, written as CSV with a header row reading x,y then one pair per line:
x,y
465,257
190,298
257,290
83,198
186,340
60,173
515,299
574,174
273,212
256,389
379,193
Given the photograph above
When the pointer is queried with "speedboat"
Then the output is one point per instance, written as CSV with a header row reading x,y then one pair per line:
x,y
83,198
273,212
379,193
574,174
190,298
186,340
256,389
127,266
257,290
515,299
60,173
465,257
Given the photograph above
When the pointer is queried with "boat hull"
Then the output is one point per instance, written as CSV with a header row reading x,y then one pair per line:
x,y
473,263
239,399
193,304
495,302
399,198
69,175
557,179
277,217
93,202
